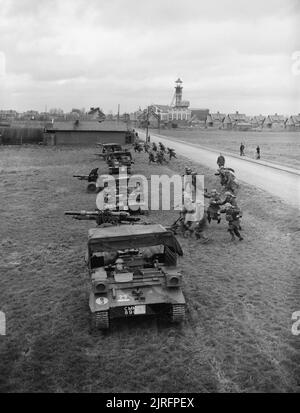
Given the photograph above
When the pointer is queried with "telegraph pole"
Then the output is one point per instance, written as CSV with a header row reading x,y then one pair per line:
x,y
147,127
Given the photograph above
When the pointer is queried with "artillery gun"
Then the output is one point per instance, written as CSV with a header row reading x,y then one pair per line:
x,y
103,217
133,273
91,178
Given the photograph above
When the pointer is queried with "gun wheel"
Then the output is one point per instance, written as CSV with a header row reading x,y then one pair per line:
x,y
101,320
177,313
91,188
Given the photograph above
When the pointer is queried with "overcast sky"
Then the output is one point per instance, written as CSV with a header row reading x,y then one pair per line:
x,y
231,54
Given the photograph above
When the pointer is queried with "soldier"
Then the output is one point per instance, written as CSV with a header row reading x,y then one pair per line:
x,y
213,210
258,152
230,198
154,147
227,179
221,161
160,157
146,147
189,171
162,147
233,216
242,149
151,157
172,153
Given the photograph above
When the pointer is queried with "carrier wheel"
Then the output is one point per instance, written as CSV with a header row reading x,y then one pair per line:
x,y
177,313
101,320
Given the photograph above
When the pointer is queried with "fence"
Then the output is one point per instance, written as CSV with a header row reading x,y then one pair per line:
x,y
20,136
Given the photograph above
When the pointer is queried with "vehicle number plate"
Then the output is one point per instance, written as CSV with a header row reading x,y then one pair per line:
x,y
135,309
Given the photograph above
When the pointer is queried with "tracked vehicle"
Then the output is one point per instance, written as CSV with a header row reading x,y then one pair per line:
x,y
121,160
133,273
108,148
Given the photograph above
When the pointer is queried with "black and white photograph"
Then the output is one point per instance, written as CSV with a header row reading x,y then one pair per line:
x,y
149,199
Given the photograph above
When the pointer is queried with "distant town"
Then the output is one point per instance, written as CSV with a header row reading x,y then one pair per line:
x,y
178,114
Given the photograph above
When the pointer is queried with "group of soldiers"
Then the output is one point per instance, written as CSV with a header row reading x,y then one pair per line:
x,y
194,218
157,153
228,204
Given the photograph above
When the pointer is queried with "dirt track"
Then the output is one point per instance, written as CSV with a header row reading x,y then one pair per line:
x,y
284,182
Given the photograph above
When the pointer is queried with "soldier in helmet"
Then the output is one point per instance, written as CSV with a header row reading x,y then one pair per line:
x,y
172,153
213,210
227,179
233,215
162,147
221,160
189,171
151,157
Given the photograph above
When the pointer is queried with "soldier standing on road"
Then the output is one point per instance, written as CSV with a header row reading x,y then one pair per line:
x,y
221,161
233,216
242,149
258,152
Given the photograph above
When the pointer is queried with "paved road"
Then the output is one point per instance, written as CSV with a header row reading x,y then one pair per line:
x,y
278,180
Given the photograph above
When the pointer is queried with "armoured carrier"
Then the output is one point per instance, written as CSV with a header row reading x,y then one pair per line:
x,y
133,273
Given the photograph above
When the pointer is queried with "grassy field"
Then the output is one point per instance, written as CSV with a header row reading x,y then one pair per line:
x,y
279,147
240,296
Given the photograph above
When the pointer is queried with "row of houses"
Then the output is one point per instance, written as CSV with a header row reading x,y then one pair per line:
x,y
160,116
242,122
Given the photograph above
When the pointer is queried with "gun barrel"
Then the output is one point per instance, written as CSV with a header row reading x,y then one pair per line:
x,y
81,177
81,213
85,218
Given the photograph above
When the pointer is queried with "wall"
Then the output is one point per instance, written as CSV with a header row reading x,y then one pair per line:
x,y
89,137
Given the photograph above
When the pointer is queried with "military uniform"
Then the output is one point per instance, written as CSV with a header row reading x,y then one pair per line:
x,y
172,153
233,215
213,210
151,157
162,147
229,198
227,179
